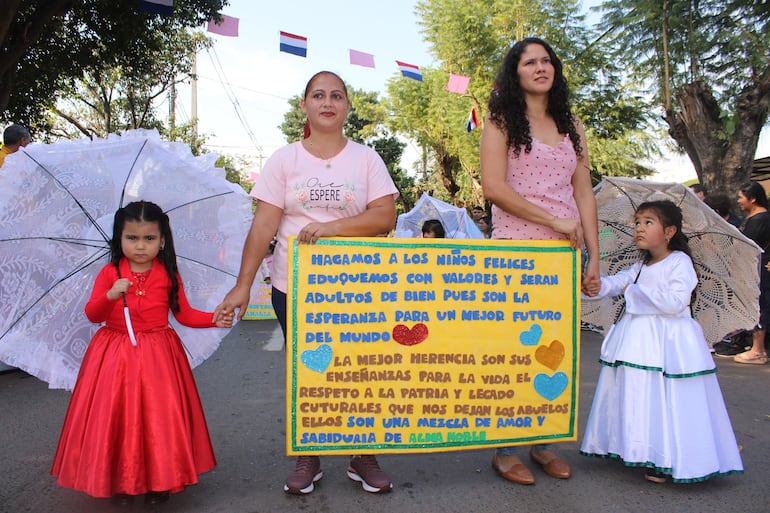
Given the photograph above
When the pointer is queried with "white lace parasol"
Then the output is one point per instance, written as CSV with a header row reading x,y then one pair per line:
x,y
57,203
727,295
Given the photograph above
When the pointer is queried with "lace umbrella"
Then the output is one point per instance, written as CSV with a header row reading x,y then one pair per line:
x,y
456,221
57,204
727,262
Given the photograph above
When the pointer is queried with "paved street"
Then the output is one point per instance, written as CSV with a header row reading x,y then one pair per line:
x,y
242,388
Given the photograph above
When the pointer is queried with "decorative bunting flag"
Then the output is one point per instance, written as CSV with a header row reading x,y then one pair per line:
x,y
457,83
164,7
410,71
473,121
296,45
361,59
227,27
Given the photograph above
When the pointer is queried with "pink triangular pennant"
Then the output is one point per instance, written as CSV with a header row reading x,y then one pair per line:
x,y
227,27
457,83
361,59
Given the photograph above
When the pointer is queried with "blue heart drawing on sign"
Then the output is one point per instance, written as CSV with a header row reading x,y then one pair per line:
x,y
317,359
551,387
532,336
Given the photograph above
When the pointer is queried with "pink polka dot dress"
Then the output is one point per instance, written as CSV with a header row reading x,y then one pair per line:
x,y
543,177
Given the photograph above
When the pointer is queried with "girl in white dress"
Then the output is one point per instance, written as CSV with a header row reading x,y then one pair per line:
x,y
658,404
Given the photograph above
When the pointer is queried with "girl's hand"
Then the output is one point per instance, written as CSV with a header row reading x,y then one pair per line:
x,y
767,266
119,288
225,321
592,283
591,287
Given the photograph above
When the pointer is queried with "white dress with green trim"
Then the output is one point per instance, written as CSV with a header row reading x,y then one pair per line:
x,y
658,403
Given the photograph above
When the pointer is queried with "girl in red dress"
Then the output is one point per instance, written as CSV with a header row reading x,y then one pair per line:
x,y
135,424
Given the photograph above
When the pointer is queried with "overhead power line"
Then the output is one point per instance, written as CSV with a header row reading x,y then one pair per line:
x,y
233,99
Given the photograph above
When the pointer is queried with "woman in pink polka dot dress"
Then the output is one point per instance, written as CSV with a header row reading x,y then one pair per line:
x,y
534,170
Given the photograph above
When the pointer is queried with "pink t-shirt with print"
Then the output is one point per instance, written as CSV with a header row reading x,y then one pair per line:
x,y
544,178
308,191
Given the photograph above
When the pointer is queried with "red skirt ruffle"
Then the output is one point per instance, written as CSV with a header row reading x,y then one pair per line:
x,y
135,421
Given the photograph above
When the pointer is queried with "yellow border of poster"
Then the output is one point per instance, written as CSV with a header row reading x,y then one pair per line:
x,y
423,345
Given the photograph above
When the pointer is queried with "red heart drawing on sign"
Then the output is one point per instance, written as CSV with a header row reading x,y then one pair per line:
x,y
410,337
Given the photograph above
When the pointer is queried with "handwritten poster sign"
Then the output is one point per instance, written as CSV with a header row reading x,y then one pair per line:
x,y
260,303
261,300
420,345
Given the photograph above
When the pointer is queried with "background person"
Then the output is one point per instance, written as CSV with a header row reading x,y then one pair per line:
x,y
699,190
534,170
720,203
323,186
477,213
433,229
752,200
14,137
485,227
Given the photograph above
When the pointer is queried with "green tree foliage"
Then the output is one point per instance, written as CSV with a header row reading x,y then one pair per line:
x,y
707,63
365,124
108,100
234,167
471,37
50,44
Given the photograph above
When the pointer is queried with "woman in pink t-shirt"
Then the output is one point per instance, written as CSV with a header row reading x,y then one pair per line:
x,y
534,170
322,186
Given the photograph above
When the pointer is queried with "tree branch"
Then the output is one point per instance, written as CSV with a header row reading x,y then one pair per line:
x,y
83,129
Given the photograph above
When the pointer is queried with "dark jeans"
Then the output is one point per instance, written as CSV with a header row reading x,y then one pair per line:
x,y
279,305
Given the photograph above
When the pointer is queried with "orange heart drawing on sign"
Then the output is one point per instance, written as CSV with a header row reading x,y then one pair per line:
x,y
410,337
550,356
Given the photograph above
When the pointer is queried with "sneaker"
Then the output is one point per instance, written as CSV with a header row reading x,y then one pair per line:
x,y
306,472
728,349
366,471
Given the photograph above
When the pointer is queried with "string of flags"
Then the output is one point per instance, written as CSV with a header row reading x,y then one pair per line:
x,y
227,27
473,121
361,59
163,7
297,45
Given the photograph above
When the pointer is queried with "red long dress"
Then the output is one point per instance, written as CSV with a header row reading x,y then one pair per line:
x,y
135,421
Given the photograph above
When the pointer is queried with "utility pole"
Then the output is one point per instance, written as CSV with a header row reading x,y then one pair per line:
x,y
194,95
172,107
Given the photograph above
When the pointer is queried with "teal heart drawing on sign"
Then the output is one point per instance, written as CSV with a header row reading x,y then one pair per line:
x,y
532,336
317,359
551,387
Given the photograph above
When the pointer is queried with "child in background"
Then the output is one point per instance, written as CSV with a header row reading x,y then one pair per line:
x,y
135,424
433,229
485,227
266,267
658,403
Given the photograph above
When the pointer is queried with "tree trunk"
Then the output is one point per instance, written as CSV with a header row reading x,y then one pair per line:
x,y
447,164
722,160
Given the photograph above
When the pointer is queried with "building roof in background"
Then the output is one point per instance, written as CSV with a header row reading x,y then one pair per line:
x,y
761,170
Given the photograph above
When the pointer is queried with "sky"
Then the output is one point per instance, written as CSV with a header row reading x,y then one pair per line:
x,y
262,79
245,82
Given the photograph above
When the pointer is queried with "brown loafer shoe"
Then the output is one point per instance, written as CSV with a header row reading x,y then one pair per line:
x,y
512,469
552,464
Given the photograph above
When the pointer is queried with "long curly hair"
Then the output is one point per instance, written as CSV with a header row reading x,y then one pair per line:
x,y
145,211
508,107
